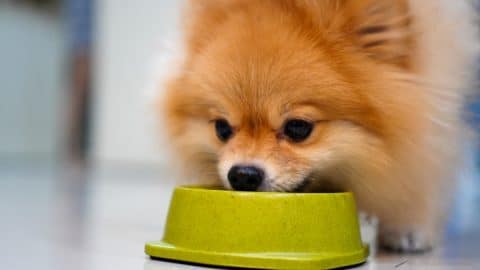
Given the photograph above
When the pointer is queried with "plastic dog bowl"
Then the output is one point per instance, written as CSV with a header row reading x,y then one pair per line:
x,y
264,230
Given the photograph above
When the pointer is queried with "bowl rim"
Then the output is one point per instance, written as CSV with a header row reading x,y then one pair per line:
x,y
219,190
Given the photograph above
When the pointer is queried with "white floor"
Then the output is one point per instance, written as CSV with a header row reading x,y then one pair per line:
x,y
51,219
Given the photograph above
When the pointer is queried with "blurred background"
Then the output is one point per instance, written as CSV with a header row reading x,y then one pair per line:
x,y
76,113
74,76
82,176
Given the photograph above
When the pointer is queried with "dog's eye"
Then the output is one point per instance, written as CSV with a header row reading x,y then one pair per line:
x,y
297,130
223,129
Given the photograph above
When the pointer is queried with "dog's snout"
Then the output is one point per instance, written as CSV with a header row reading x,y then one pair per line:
x,y
245,178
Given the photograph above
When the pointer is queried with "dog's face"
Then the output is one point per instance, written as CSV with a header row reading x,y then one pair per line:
x,y
270,101
280,117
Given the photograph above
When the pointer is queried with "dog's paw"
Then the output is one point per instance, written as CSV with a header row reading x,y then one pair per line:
x,y
406,242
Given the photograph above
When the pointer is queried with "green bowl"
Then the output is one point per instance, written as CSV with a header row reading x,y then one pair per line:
x,y
264,230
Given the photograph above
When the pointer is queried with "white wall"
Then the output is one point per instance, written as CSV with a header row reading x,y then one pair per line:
x,y
32,84
128,39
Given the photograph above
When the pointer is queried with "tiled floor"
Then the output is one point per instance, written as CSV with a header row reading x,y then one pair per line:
x,y
100,219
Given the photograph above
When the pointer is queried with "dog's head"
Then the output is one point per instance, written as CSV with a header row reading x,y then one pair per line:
x,y
291,95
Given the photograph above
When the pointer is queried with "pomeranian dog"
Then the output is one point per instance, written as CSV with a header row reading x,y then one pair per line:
x,y
328,95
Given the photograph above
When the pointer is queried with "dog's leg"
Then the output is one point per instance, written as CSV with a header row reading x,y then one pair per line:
x,y
414,240
408,221
413,228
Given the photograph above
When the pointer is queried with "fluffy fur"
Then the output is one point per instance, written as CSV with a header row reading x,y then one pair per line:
x,y
384,81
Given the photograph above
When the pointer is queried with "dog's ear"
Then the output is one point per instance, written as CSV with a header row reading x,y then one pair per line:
x,y
381,28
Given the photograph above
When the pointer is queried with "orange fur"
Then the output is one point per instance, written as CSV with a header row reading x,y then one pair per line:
x,y
360,69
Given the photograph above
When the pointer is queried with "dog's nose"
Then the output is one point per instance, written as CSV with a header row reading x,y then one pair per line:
x,y
245,178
